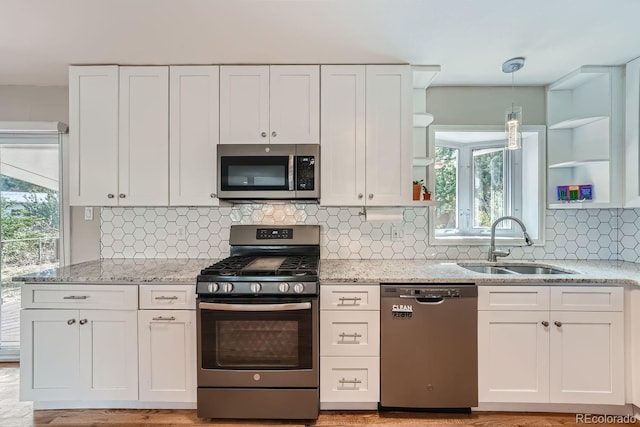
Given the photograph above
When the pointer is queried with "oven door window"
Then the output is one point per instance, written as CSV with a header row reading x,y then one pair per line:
x,y
248,173
256,340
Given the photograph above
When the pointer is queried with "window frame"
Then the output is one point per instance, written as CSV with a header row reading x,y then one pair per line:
x,y
516,204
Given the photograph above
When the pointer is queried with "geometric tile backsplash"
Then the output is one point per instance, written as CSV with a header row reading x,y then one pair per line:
x,y
610,234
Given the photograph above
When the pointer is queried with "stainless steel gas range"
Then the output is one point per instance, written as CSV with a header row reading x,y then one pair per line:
x,y
258,327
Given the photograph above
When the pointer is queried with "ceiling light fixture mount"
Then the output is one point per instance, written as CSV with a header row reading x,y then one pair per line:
x,y
513,115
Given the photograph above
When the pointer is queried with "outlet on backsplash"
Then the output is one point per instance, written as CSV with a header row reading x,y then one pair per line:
x,y
181,232
397,232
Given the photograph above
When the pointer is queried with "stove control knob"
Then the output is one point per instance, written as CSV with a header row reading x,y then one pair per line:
x,y
283,287
213,287
298,288
227,287
256,287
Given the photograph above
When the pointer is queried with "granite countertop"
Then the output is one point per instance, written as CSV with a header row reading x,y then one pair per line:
x,y
342,271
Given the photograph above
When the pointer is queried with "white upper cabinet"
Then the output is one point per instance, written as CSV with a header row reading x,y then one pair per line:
x,y
366,135
193,135
585,136
343,135
632,134
144,139
119,142
93,135
269,104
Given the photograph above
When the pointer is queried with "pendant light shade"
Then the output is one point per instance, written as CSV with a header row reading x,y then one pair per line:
x,y
513,115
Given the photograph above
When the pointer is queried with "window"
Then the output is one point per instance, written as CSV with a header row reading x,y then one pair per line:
x,y
30,220
477,180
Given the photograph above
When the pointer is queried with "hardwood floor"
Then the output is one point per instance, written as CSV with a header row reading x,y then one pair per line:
x,y
14,413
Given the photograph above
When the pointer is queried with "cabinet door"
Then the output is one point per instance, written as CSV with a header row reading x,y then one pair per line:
x,y
93,135
587,357
167,345
294,114
49,355
632,134
193,135
389,135
244,104
144,138
343,135
513,356
109,354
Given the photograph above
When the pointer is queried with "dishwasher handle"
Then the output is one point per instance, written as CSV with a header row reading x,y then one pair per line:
x,y
425,300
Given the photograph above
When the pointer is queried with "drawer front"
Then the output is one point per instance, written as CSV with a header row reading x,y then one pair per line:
x,y
355,333
121,297
168,297
587,298
349,379
349,297
513,297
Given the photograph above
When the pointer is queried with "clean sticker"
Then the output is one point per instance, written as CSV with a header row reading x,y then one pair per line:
x,y
402,310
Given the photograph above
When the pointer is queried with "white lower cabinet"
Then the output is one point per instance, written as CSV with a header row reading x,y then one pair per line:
x,y
167,343
167,352
567,348
349,346
78,355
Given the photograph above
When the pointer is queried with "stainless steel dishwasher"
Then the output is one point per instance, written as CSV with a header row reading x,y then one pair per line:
x,y
428,346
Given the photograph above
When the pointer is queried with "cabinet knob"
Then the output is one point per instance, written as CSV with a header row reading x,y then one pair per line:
x,y
263,134
122,195
71,321
83,321
360,195
545,323
213,195
110,196
558,324
274,134
371,195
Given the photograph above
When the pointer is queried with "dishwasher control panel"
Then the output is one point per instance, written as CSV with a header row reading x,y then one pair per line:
x,y
418,291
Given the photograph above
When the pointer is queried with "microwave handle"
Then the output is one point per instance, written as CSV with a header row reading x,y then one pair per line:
x,y
255,307
291,160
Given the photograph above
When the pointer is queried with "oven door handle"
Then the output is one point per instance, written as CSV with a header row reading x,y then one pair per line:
x,y
255,307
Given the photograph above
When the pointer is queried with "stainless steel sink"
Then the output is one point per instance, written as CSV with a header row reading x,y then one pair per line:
x,y
514,269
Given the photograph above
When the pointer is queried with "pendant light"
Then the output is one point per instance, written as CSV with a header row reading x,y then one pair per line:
x,y
513,115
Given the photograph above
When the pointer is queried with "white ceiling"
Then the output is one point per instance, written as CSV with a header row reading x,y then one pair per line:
x,y
470,39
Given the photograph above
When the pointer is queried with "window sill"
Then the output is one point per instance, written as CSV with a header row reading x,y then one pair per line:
x,y
480,241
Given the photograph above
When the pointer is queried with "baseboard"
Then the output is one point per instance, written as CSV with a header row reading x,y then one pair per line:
x,y
348,406
111,404
557,407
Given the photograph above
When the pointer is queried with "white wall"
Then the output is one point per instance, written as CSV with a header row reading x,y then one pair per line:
x,y
484,105
24,103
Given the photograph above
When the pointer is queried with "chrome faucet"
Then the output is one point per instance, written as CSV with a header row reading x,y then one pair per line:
x,y
493,253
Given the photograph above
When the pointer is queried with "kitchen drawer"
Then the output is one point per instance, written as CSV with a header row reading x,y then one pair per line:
x,y
587,298
83,296
168,297
513,297
355,333
349,379
349,297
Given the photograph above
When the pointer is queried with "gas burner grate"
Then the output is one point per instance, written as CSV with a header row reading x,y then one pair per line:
x,y
297,266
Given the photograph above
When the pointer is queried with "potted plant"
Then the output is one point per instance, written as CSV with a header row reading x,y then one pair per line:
x,y
417,188
427,193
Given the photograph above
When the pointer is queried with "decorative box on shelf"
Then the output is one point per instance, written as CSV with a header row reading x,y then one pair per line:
x,y
575,193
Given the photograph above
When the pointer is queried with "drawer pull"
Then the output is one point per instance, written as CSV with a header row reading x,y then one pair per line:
x,y
164,318
354,337
166,298
353,384
76,297
354,299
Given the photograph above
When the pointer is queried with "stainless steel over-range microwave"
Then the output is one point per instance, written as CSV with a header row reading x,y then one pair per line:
x,y
268,171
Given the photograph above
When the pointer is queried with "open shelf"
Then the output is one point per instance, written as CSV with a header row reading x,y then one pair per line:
x,y
576,122
579,77
422,120
576,163
425,203
423,161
